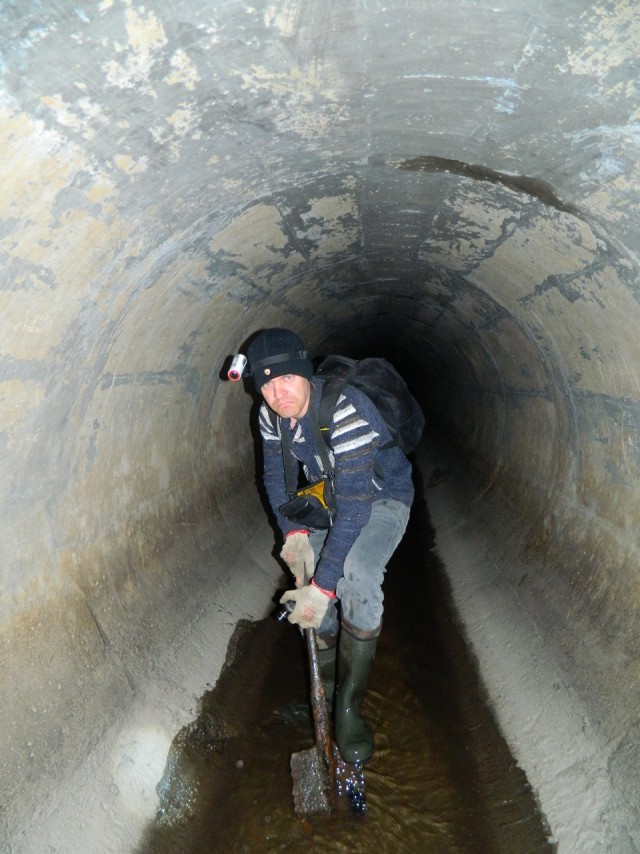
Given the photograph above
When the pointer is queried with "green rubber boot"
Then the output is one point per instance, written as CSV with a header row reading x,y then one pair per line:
x,y
355,657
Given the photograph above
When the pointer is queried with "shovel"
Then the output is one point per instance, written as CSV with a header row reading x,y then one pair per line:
x,y
320,777
313,769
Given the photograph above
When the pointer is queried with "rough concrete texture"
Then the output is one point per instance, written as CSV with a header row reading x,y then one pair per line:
x,y
453,185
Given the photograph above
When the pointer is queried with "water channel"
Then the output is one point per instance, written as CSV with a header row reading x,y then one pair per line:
x,y
442,778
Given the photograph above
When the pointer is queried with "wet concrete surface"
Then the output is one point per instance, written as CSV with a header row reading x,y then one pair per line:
x,y
442,778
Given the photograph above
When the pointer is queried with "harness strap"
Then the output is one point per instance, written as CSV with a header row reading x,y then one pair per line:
x,y
288,459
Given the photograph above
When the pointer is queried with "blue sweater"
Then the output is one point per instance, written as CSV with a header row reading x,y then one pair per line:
x,y
357,432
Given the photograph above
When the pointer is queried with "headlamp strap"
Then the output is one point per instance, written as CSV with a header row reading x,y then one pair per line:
x,y
274,360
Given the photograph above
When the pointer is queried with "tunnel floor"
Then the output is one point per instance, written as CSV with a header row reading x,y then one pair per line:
x,y
441,780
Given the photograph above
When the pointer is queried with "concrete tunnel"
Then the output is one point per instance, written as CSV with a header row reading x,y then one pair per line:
x,y
452,185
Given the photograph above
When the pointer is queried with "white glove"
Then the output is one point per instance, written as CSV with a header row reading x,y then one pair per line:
x,y
298,555
311,606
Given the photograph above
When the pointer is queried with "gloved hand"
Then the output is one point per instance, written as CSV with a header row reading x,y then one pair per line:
x,y
298,555
311,606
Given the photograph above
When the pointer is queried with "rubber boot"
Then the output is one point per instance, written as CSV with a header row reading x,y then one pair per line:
x,y
356,652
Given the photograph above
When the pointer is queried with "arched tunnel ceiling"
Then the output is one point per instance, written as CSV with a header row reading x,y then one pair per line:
x,y
455,186
453,276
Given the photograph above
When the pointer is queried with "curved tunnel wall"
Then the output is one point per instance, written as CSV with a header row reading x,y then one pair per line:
x,y
451,185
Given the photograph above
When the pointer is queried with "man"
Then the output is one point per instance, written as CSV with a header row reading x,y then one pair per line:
x,y
346,563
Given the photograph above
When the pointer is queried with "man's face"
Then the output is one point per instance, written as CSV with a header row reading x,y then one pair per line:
x,y
288,395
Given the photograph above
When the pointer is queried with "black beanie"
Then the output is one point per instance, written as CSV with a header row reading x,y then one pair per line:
x,y
276,352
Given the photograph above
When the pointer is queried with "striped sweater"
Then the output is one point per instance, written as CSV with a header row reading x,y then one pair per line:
x,y
357,433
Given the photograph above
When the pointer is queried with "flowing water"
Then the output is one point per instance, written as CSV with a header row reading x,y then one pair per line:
x,y
441,779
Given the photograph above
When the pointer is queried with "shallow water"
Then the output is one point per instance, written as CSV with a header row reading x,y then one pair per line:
x,y
441,779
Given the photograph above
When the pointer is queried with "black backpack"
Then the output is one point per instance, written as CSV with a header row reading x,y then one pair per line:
x,y
384,386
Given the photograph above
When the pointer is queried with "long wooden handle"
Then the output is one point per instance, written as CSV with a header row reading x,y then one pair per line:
x,y
319,705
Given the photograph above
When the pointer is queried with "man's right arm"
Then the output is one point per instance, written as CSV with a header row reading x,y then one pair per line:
x,y
273,470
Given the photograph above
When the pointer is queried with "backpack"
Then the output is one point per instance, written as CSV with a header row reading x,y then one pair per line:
x,y
386,389
314,505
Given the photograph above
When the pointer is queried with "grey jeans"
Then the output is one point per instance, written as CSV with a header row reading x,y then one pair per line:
x,y
360,588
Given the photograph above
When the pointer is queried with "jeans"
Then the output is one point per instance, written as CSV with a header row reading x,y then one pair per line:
x,y
360,588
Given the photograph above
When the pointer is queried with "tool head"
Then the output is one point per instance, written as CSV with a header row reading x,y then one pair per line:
x,y
311,788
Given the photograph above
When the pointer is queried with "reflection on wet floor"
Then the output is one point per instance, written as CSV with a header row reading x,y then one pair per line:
x,y
441,779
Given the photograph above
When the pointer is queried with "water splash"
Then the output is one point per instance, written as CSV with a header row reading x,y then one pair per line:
x,y
350,784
